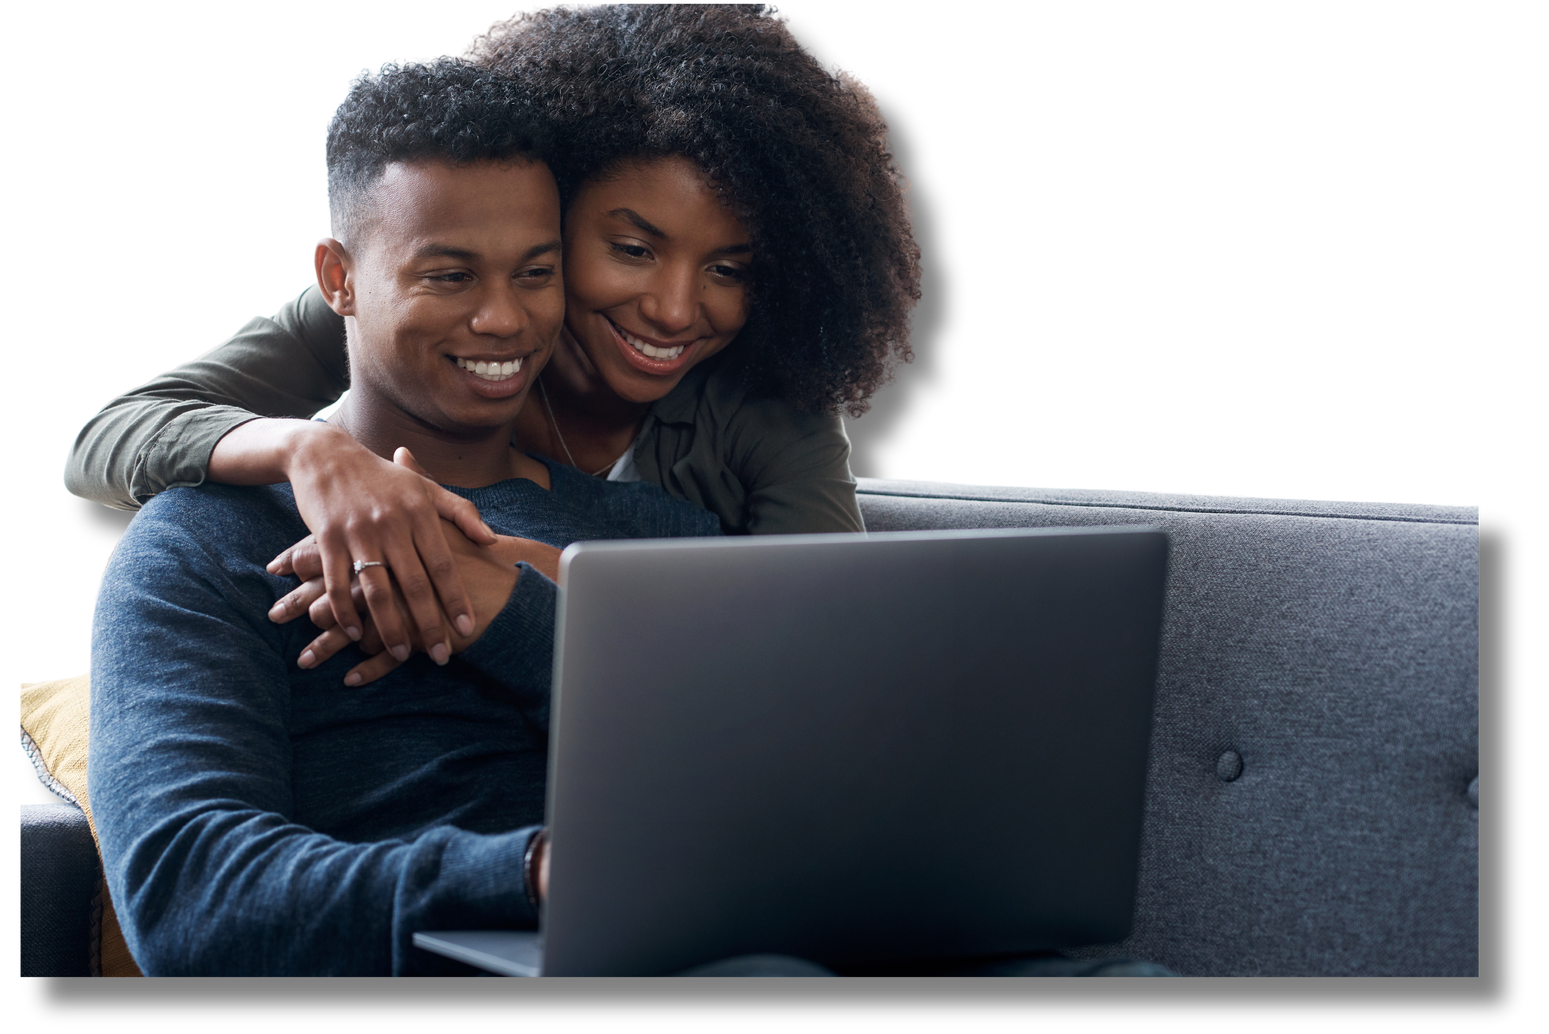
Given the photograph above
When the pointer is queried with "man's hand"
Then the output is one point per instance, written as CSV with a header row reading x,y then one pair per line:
x,y
361,507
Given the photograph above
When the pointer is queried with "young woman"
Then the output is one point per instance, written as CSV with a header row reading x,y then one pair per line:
x,y
738,268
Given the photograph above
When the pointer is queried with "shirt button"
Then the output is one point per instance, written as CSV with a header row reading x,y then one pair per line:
x,y
1228,766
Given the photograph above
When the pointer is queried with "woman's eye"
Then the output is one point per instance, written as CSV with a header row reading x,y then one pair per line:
x,y
736,273
634,251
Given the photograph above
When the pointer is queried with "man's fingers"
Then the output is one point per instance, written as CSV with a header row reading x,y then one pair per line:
x,y
322,648
371,669
301,600
303,560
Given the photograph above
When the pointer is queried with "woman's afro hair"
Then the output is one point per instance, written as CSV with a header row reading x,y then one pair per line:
x,y
800,155
450,110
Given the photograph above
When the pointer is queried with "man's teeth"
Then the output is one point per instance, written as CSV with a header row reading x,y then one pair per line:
x,y
490,371
651,350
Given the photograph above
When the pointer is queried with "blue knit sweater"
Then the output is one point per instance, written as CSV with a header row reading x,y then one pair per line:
x,y
258,818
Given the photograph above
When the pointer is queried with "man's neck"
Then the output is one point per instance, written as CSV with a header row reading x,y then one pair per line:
x,y
471,459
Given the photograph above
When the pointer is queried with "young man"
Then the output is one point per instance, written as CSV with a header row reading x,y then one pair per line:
x,y
258,817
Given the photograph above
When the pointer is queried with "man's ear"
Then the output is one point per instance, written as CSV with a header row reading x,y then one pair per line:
x,y
335,275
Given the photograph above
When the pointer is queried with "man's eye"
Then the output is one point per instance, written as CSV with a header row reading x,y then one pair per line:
x,y
458,277
633,251
535,273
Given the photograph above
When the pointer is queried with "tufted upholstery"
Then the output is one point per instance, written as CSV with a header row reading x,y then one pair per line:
x,y
1313,797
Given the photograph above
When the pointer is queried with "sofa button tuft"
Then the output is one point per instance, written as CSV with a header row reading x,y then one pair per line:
x,y
1473,793
1228,766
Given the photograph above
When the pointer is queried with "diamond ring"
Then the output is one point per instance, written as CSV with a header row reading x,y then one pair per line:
x,y
361,565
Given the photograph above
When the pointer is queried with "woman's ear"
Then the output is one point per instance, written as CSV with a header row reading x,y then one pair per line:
x,y
335,276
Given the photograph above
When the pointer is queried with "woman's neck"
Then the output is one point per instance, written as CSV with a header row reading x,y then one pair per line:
x,y
573,416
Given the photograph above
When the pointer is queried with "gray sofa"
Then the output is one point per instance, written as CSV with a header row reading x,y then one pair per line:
x,y
1313,793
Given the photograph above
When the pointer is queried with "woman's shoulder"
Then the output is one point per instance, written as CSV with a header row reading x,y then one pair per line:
x,y
313,321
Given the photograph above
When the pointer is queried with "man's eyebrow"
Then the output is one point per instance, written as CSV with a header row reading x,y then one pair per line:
x,y
425,251
629,215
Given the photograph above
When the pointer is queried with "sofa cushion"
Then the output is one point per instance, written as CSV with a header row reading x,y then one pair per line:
x,y
55,731
1312,798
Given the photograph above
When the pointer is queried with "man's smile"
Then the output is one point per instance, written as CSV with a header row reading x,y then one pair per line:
x,y
491,370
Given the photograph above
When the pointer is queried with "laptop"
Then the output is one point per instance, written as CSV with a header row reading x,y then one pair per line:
x,y
854,749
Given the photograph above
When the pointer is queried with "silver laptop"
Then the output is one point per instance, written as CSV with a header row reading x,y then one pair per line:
x,y
852,749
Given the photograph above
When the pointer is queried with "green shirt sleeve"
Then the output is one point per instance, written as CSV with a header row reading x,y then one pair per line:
x,y
161,434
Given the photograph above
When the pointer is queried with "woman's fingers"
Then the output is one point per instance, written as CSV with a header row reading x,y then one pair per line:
x,y
450,507
337,569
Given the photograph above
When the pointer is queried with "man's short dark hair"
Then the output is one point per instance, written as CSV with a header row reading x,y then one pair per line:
x,y
449,110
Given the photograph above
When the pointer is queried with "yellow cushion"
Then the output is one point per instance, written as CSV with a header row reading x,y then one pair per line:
x,y
56,729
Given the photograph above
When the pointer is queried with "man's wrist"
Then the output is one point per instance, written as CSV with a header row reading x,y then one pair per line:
x,y
532,861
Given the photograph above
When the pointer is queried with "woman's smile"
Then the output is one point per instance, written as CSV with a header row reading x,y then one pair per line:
x,y
651,355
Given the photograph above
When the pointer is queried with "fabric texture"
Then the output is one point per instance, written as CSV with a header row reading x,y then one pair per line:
x,y
55,729
1315,742
758,464
256,818
59,875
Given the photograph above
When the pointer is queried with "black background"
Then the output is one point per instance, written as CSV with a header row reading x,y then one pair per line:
x,y
1154,242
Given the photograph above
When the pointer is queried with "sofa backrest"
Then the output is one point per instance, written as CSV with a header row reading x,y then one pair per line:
x,y
1312,804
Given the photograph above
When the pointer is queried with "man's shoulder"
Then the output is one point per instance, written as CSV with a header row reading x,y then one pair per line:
x,y
636,509
238,523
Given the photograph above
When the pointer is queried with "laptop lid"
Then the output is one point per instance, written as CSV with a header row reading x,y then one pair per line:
x,y
848,748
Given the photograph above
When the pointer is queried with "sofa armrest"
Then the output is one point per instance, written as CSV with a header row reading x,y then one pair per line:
x,y
59,875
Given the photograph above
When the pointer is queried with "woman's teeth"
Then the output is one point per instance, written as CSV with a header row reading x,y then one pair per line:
x,y
650,350
491,371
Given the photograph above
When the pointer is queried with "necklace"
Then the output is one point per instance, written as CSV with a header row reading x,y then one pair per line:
x,y
544,392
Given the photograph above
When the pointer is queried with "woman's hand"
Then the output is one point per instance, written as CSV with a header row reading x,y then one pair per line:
x,y
361,507
489,572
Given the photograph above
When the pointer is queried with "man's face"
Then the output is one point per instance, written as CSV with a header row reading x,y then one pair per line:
x,y
457,295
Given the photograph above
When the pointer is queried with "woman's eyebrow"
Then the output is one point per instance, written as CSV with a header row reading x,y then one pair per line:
x,y
629,215
634,218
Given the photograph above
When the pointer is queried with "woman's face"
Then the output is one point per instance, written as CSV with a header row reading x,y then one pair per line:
x,y
656,275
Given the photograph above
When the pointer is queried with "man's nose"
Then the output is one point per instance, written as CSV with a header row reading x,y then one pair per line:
x,y
500,313
670,305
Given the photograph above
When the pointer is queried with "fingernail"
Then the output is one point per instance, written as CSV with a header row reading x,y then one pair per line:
x,y
440,654
352,679
465,624
306,660
401,652
353,633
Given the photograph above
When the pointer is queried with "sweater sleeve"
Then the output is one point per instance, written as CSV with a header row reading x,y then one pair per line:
x,y
190,780
517,648
161,434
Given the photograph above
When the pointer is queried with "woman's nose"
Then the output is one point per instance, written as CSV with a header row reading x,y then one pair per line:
x,y
670,304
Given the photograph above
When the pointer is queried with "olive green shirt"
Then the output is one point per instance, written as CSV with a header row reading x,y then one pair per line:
x,y
759,464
